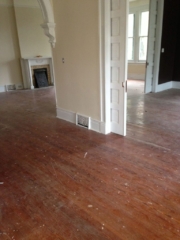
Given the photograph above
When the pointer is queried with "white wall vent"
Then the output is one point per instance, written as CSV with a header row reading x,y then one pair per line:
x,y
19,86
11,87
83,121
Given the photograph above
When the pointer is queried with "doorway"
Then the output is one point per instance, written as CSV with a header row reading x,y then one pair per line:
x,y
116,57
138,25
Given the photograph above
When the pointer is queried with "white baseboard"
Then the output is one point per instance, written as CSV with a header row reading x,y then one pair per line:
x,y
66,115
168,85
176,85
69,116
164,86
2,89
136,76
18,86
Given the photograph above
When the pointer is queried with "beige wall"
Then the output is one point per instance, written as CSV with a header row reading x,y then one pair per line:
x,y
32,40
78,79
138,3
136,71
10,72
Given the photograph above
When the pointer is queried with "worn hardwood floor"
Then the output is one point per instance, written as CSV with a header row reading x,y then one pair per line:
x,y
59,181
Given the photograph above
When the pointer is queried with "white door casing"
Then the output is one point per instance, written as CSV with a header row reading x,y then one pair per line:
x,y
118,65
115,71
158,44
153,8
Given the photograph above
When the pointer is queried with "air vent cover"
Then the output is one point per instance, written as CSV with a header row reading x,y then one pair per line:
x,y
11,87
19,86
83,121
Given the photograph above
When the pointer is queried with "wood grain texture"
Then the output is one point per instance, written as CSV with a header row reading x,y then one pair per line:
x,y
61,181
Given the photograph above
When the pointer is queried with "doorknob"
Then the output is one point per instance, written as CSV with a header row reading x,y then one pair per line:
x,y
147,64
124,84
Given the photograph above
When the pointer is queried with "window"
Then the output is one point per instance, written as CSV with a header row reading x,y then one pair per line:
x,y
131,37
143,36
138,36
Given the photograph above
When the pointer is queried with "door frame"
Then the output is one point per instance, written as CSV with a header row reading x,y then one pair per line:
x,y
157,56
105,53
105,57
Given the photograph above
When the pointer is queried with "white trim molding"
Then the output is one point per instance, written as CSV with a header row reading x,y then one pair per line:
x,y
106,68
101,56
16,86
157,55
49,24
175,85
70,116
167,86
2,89
163,86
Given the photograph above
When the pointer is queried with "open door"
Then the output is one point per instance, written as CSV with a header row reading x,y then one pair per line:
x,y
118,65
151,45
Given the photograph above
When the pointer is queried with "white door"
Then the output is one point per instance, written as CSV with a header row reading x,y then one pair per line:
x,y
151,45
118,65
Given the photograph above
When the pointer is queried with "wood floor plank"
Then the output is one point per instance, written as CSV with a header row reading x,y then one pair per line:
x,y
60,181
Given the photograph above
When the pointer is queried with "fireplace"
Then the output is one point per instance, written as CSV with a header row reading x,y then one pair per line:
x,y
47,72
32,65
40,78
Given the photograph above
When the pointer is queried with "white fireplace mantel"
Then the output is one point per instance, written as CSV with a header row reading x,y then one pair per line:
x,y
28,63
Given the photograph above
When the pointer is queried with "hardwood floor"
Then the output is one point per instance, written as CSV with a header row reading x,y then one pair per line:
x,y
59,181
154,118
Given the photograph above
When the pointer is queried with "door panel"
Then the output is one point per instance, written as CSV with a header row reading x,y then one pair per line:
x,y
118,86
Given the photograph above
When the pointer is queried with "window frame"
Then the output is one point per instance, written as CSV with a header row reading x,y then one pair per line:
x,y
133,37
137,21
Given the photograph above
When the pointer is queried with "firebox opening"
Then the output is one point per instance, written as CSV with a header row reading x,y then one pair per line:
x,y
41,78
